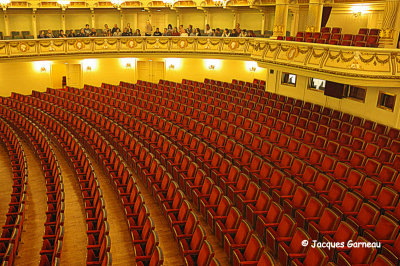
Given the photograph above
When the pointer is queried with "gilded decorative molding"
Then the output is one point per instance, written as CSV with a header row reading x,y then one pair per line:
x,y
360,62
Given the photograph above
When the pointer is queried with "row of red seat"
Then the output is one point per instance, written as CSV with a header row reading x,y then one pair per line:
x,y
176,216
145,239
246,193
12,228
54,225
99,244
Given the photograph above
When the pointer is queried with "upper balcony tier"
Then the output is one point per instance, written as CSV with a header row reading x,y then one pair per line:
x,y
357,65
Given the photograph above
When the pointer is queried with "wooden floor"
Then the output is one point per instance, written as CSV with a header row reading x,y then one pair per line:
x,y
75,237
121,241
36,206
169,246
6,184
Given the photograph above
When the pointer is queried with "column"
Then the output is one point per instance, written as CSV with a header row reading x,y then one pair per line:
x,y
314,16
206,18
294,27
262,23
63,20
6,25
390,24
93,18
235,19
178,19
122,19
280,21
34,24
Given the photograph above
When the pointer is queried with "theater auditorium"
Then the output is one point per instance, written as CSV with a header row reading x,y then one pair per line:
x,y
199,132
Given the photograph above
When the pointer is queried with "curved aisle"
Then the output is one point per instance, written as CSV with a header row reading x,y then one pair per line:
x,y
75,224
121,248
36,207
6,184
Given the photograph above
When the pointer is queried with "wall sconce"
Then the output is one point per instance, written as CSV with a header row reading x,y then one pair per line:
x,y
42,69
252,69
171,67
358,10
211,67
88,68
128,65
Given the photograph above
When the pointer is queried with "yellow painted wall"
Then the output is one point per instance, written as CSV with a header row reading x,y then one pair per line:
x,y
2,27
48,19
250,21
76,19
193,18
109,17
20,20
347,22
222,19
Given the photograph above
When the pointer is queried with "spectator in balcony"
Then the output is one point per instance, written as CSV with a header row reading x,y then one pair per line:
x,y
190,29
49,34
237,29
213,33
137,33
197,32
106,31
81,33
170,29
175,32
165,32
129,29
226,33
93,33
208,31
180,29
149,28
218,32
184,33
125,33
115,29
42,35
71,34
251,34
243,33
234,33
117,33
62,34
87,30
157,32
193,33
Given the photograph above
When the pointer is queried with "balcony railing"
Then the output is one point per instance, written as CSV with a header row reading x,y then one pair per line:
x,y
354,62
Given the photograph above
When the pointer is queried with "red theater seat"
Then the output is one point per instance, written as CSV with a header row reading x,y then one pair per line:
x,y
357,256
292,249
249,254
282,232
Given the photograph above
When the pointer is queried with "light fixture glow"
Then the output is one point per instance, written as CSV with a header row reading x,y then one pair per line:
x,y
4,3
169,3
212,64
117,3
251,66
63,3
222,3
89,64
173,63
127,63
359,10
41,66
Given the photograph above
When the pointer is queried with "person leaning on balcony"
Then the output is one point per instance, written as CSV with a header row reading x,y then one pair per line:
x,y
117,32
93,33
157,32
208,31
175,32
149,28
49,34
218,32
197,32
190,30
238,30
243,33
165,32
137,33
106,31
41,34
81,33
129,29
71,34
226,33
114,29
125,33
87,30
184,33
234,33
62,34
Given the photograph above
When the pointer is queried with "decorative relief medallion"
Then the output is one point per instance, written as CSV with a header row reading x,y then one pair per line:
x,y
79,45
292,53
23,47
131,44
233,45
182,44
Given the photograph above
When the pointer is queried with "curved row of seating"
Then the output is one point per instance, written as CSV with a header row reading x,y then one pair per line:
x,y
171,199
141,225
54,225
99,242
9,239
